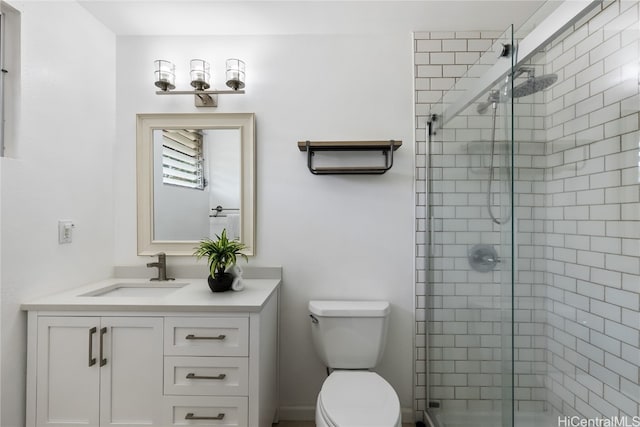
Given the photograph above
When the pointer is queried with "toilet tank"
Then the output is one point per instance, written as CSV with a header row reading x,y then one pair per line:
x,y
349,334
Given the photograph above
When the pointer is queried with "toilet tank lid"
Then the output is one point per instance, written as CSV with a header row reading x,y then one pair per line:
x,y
349,308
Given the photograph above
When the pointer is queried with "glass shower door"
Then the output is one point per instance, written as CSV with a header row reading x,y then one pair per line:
x,y
470,294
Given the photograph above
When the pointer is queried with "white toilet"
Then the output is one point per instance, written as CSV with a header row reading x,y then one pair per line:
x,y
349,337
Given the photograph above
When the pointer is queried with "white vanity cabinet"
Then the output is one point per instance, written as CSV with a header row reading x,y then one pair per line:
x,y
158,362
98,371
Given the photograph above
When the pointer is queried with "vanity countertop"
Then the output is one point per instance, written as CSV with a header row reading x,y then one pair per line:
x,y
195,296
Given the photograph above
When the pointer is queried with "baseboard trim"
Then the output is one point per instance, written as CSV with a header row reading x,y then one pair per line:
x,y
297,413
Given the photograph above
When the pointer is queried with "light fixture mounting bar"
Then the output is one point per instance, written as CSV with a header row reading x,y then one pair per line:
x,y
199,92
202,98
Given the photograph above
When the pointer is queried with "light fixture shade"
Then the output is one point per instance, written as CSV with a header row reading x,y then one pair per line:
x,y
200,74
235,73
165,74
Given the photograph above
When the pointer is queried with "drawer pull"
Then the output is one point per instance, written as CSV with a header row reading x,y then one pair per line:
x,y
190,416
193,376
103,360
193,337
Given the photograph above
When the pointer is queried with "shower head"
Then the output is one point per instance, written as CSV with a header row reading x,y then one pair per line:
x,y
533,85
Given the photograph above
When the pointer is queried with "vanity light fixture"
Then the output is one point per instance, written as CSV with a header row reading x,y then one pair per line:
x,y
200,74
235,73
165,75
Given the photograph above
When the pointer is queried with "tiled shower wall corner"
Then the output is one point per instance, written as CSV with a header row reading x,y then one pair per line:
x,y
577,310
593,216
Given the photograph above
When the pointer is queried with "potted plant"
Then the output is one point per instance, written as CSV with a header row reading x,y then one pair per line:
x,y
221,254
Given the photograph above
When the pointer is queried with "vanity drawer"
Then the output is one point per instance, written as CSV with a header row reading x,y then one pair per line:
x,y
206,336
206,376
206,411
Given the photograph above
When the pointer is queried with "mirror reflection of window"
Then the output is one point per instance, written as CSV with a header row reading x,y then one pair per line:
x,y
182,160
197,183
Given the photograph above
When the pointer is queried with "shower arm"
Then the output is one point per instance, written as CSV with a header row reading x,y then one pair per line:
x,y
521,70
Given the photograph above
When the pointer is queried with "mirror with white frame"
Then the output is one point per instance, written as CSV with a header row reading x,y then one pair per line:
x,y
195,177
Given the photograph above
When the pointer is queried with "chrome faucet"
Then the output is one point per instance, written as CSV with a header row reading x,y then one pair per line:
x,y
162,267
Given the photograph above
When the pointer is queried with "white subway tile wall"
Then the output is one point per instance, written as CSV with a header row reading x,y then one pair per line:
x,y
577,220
593,325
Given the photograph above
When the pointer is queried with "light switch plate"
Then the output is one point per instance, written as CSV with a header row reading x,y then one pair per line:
x,y
65,232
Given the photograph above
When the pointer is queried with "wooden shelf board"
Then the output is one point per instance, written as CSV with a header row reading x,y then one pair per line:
x,y
348,145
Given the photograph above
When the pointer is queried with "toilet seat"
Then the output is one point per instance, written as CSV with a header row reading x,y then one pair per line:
x,y
358,398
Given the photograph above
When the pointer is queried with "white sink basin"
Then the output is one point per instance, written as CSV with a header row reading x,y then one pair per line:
x,y
139,290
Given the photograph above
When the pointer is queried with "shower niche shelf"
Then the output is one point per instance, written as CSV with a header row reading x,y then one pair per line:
x,y
385,147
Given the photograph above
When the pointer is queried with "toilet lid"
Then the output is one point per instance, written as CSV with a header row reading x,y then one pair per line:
x,y
359,398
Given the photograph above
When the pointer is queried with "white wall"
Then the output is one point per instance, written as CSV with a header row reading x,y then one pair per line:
x,y
335,236
62,169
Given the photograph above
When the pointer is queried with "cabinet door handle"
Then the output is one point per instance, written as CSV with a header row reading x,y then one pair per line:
x,y
193,337
92,360
190,416
193,376
103,361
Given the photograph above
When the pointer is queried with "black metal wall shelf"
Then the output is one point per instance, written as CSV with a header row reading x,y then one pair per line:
x,y
386,147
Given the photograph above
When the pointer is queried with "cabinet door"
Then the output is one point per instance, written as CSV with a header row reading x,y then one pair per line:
x,y
67,387
131,375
